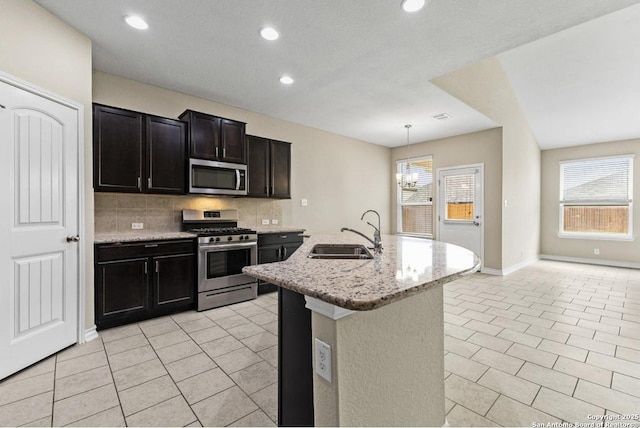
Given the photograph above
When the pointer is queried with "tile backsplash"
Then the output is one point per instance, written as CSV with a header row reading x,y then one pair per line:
x,y
114,212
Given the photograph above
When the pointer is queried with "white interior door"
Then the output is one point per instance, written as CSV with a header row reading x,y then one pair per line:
x,y
38,227
460,207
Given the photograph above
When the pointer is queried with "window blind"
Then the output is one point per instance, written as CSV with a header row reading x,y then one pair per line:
x,y
602,181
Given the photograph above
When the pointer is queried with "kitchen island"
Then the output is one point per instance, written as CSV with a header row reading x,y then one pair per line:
x,y
383,321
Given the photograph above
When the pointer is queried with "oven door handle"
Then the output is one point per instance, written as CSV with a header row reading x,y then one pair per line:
x,y
237,179
226,247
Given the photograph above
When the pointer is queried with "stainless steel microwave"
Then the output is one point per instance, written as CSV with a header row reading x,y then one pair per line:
x,y
217,178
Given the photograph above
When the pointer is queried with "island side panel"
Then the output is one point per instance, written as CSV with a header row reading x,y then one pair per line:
x,y
388,365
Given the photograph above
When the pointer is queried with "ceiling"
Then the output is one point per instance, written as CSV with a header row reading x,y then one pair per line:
x,y
362,67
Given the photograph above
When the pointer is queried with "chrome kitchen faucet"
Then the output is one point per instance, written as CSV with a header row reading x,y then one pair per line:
x,y
377,240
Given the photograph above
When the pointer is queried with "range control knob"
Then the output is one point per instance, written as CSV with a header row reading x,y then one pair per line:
x,y
211,239
230,238
241,237
218,239
246,236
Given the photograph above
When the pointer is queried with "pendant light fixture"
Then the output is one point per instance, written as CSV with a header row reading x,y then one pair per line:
x,y
407,180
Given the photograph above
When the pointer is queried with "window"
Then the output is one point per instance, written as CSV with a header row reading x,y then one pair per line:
x,y
596,198
415,203
459,197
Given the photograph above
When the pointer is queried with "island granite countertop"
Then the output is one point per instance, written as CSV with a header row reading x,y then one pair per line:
x,y
406,266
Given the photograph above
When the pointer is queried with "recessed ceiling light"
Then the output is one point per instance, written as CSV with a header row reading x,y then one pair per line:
x,y
412,5
286,80
269,33
136,22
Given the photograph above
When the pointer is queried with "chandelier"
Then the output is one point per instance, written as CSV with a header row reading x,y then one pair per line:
x,y
406,179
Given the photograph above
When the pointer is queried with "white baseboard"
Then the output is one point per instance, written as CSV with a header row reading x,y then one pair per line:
x,y
510,269
90,334
584,260
490,271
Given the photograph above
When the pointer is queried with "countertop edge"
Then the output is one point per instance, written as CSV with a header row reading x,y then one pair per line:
x,y
365,305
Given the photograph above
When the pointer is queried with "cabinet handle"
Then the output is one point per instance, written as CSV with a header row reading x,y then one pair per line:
x,y
216,152
145,268
224,152
150,245
149,182
284,249
139,183
157,267
279,253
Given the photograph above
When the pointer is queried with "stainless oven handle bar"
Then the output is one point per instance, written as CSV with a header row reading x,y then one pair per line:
x,y
226,247
237,179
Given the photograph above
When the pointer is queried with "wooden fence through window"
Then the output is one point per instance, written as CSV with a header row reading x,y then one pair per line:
x,y
599,219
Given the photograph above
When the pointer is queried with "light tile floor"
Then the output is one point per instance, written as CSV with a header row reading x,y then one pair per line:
x,y
212,368
551,342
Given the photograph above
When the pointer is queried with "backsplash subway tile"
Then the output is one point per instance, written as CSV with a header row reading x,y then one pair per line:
x,y
114,212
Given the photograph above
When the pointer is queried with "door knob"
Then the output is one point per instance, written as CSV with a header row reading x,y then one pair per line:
x,y
73,238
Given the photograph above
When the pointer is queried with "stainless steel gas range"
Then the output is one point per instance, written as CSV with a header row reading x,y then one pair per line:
x,y
223,250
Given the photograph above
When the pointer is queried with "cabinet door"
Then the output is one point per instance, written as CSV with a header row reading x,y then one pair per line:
x,y
289,248
258,166
174,280
117,150
166,156
204,135
121,291
232,141
269,254
280,169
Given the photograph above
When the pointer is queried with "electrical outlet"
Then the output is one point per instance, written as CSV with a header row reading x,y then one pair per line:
x,y
304,202
265,221
274,221
323,359
137,225
505,203
596,251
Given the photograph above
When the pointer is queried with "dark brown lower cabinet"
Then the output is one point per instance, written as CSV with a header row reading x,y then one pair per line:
x,y
295,371
141,280
276,247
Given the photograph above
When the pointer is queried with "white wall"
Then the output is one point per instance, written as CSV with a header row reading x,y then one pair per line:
x,y
340,177
38,48
485,87
551,244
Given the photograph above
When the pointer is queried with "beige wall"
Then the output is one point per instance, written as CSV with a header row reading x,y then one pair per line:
x,y
479,147
38,48
551,244
339,176
485,87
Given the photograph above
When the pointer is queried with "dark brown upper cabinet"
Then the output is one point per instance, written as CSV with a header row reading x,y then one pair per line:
x,y
117,149
138,153
166,155
215,138
268,168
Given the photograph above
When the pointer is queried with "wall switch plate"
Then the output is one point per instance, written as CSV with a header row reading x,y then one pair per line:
x,y
265,221
274,221
304,202
323,359
137,225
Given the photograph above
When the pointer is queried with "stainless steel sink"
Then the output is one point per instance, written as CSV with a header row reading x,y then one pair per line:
x,y
340,251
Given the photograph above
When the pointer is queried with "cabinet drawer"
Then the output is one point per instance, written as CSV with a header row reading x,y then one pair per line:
x,y
279,238
118,251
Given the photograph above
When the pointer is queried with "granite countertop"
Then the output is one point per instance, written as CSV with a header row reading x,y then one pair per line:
x,y
108,238
406,266
278,229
